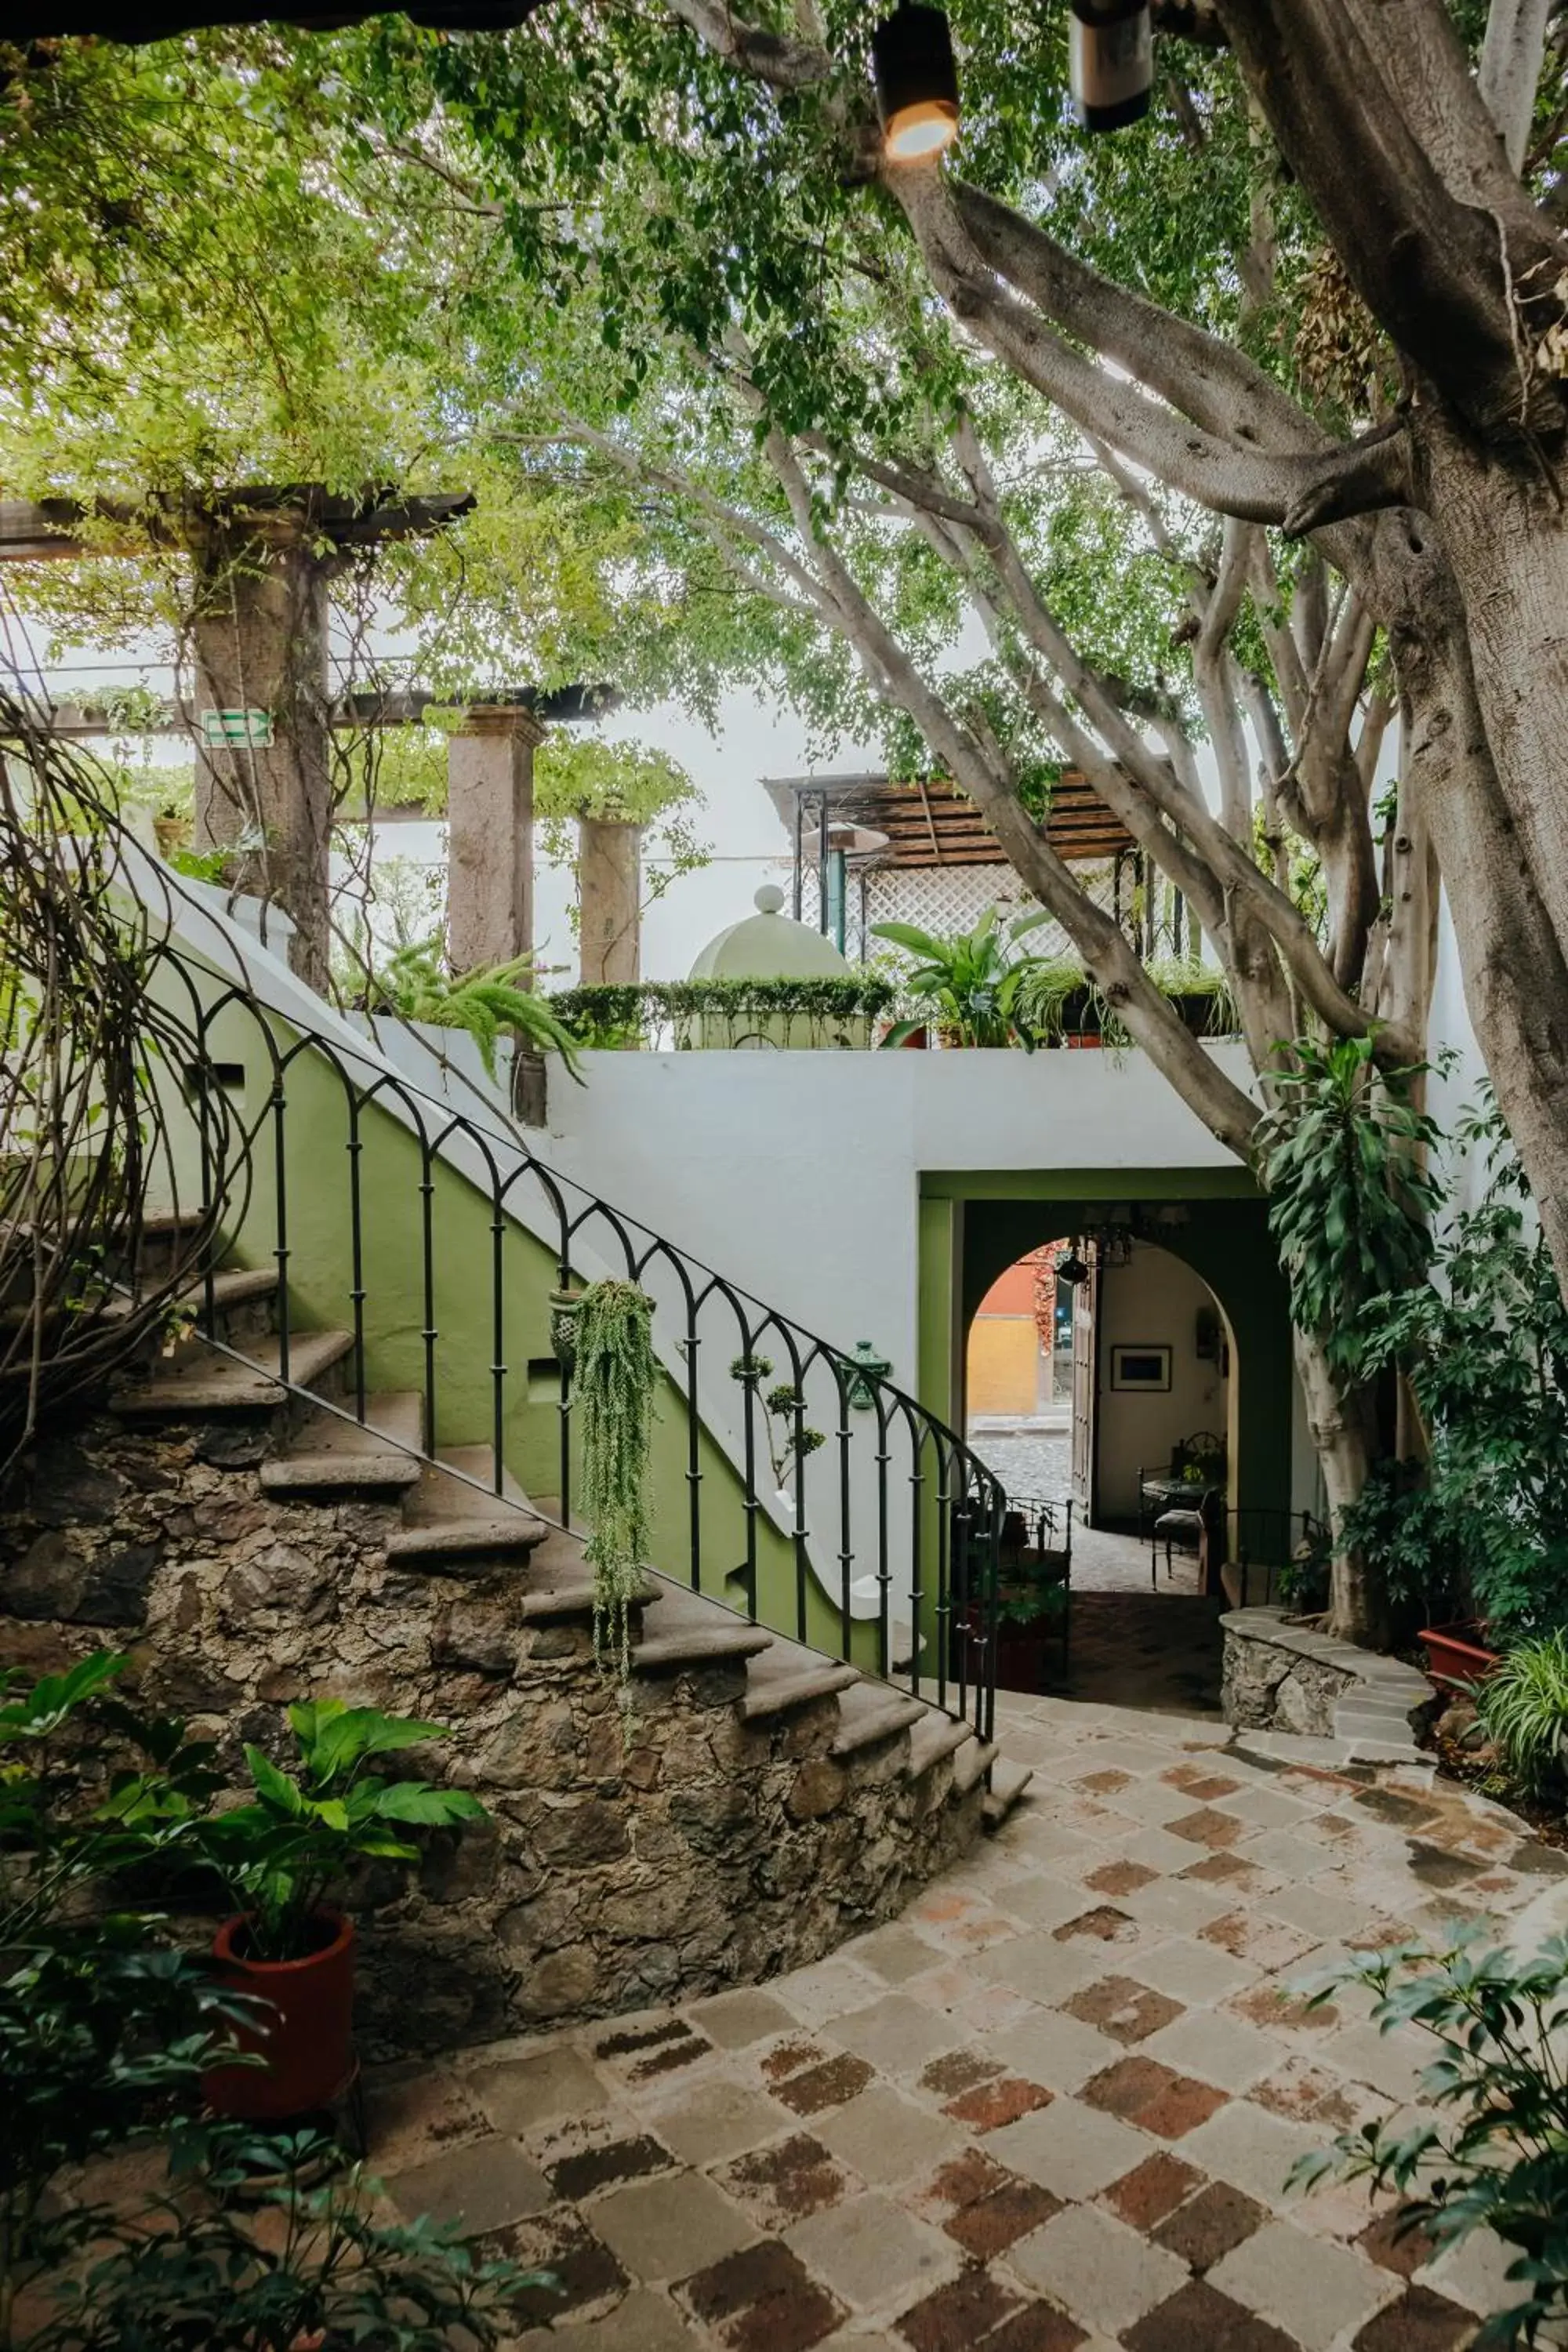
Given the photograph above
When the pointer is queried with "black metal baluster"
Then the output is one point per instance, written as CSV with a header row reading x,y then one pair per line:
x,y
427,1245
281,1224
693,1448
969,1632
917,1551
356,1295
749,1388
801,1562
497,1344
846,1525
944,1569
884,1569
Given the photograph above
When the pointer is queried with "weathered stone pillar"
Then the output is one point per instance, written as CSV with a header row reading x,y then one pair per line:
x,y
259,638
609,900
490,836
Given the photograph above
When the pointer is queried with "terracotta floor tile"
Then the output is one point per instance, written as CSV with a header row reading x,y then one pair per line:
x,y
1207,1827
1153,2190
959,2315
987,2108
1419,2322
1403,2252
1103,1924
1120,1878
1210,2225
1199,2319
1103,1784
991,2224
1229,1870
1143,2091
763,2299
1127,2010
782,2183
1036,2328
608,2165
827,2085
1248,1936
957,2070
1198,1783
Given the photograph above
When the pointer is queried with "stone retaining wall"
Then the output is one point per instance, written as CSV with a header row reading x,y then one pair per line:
x,y
1281,1676
674,1854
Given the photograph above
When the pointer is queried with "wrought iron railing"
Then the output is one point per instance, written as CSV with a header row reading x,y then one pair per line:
x,y
830,1543
1273,1551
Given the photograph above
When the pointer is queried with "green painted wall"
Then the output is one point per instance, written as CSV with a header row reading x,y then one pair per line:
x,y
318,1231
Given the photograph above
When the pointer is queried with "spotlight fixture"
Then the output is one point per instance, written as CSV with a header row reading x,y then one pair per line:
x,y
1111,61
1073,1270
917,82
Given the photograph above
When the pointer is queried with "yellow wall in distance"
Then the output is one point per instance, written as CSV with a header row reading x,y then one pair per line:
x,y
1003,1366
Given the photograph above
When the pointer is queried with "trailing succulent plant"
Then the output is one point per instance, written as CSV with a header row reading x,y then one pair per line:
x,y
612,1385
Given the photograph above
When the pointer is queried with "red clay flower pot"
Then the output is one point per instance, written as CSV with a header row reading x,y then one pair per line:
x,y
305,2034
1455,1654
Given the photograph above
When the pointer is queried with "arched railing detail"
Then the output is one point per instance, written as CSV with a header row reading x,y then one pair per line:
x,y
882,1516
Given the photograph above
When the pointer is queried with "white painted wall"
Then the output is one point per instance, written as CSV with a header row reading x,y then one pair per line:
x,y
797,1175
1153,1301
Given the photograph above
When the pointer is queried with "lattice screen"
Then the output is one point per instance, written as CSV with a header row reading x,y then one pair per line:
x,y
951,898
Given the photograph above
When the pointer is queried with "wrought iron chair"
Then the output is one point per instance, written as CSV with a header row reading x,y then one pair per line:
x,y
1176,1497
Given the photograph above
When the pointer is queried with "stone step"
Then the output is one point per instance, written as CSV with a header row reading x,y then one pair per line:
x,y
456,1545
206,1381
681,1628
870,1714
476,1462
940,1735
796,1678
234,1285
971,1763
330,1456
1008,1782
556,1602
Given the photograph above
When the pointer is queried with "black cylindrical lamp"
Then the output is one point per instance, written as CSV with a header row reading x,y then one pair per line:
x,y
1111,61
917,83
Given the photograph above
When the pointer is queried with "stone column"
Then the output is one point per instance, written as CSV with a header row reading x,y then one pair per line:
x,y
609,899
259,638
490,836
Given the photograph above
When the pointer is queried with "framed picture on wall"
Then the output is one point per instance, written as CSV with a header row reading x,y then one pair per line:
x,y
1140,1368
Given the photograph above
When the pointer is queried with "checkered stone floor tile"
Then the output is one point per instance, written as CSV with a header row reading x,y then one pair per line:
x,y
1051,2109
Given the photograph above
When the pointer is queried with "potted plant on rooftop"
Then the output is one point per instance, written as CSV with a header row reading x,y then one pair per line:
x,y
282,1856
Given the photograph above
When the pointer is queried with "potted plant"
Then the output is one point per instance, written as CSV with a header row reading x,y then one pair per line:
x,y
1030,1612
280,1856
1458,1655
972,980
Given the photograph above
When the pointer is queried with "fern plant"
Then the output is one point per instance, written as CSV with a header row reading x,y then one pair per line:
x,y
612,1401
1525,1707
486,1003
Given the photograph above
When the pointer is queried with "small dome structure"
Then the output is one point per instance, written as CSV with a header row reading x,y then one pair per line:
x,y
769,946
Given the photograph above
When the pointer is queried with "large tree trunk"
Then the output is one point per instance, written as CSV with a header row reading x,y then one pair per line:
x,y
1343,1433
1511,953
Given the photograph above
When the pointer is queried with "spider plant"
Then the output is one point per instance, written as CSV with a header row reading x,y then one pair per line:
x,y
971,979
1525,1707
415,984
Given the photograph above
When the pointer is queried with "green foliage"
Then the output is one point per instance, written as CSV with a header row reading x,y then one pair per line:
x,y
105,2031
486,1003
1030,1601
1494,2152
971,979
1525,1707
277,2269
1485,1350
1350,1197
281,1854
612,1401
828,1009
1409,1530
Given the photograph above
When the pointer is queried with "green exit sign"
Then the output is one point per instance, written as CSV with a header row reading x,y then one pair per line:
x,y
221,728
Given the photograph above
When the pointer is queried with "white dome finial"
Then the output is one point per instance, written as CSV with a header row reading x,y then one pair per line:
x,y
769,900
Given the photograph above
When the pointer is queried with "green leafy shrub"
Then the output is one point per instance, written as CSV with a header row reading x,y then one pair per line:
x,y
1525,1707
1494,2152
280,1855
817,1010
971,979
106,2029
1485,1351
488,1002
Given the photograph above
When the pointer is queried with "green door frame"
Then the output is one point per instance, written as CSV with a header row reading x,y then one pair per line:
x,y
975,1223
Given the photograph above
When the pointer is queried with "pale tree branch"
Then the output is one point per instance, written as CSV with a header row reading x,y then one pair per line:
x,y
771,57
1512,58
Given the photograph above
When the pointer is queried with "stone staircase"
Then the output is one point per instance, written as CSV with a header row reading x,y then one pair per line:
x,y
741,1807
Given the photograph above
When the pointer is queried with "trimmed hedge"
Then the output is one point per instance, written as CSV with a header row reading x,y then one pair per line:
x,y
721,1012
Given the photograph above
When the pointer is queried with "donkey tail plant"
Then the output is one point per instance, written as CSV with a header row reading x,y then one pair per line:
x,y
611,1402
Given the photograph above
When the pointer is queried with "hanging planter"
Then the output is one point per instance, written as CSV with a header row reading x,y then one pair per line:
x,y
612,1382
563,1307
